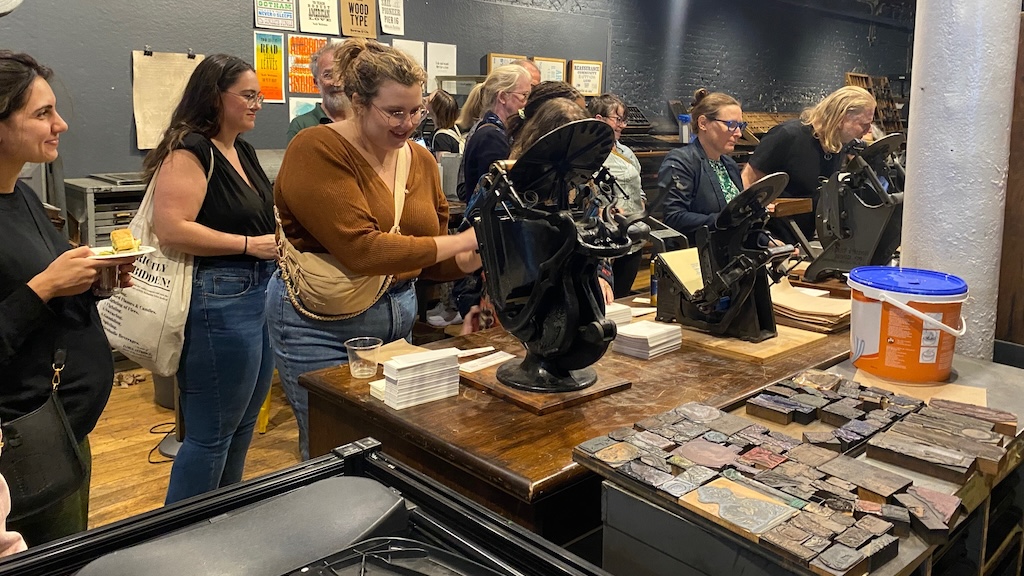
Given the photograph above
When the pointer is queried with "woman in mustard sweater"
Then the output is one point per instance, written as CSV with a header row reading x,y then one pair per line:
x,y
335,195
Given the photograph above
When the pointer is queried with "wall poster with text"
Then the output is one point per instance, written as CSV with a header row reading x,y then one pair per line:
x,y
268,57
275,14
318,17
359,18
300,53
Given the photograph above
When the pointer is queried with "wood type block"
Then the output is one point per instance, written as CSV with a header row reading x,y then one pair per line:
x,y
975,434
899,411
853,537
882,417
656,461
843,518
676,488
867,477
1005,422
946,506
645,474
700,451
761,458
811,400
737,508
910,402
680,462
788,441
839,505
776,540
649,423
924,519
655,439
742,442
643,443
875,525
621,434
754,429
618,454
840,560
593,445
841,484
762,406
686,431
816,525
991,457
824,440
966,421
826,491
837,414
728,424
849,389
697,474
898,516
880,551
800,471
810,455
697,412
880,391
864,428
778,495
847,438
936,461
783,391
817,543
715,436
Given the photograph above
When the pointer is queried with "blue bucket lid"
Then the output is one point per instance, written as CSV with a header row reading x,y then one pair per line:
x,y
909,280
683,118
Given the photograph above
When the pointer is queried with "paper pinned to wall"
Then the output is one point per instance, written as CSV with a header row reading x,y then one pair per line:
x,y
441,60
414,48
297,106
268,51
158,82
275,14
300,53
318,17
392,17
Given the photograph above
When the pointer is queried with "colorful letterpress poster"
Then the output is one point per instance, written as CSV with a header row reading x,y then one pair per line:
x,y
300,53
268,56
275,14
318,17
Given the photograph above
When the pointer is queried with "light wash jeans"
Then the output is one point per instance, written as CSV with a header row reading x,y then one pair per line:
x,y
224,375
303,345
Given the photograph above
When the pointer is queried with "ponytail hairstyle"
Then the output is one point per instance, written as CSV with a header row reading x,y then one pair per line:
x,y
540,94
708,104
362,66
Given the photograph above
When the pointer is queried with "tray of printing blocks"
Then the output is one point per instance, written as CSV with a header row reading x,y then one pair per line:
x,y
827,474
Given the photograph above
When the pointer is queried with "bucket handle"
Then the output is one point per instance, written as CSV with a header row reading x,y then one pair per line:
x,y
928,320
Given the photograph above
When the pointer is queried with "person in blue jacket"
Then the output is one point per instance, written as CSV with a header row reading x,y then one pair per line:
x,y
698,180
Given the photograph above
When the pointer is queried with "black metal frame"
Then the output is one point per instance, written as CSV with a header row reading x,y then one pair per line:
x,y
448,519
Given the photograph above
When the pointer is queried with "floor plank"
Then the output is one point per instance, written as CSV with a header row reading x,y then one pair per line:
x,y
124,483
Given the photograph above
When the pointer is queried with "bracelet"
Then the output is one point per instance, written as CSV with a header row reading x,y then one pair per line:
x,y
245,249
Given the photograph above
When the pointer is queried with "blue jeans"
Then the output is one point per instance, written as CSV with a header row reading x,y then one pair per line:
x,y
303,345
224,375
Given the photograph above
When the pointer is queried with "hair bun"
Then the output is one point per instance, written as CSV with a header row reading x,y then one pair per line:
x,y
698,95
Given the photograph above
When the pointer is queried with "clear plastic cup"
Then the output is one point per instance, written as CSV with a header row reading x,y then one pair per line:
x,y
362,356
110,282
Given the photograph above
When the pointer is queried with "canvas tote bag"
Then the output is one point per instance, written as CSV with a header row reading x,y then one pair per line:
x,y
319,286
147,321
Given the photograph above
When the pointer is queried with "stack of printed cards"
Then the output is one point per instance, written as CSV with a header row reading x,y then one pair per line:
x,y
646,339
618,313
412,379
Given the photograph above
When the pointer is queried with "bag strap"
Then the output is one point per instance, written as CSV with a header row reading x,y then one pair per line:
x,y
402,170
60,354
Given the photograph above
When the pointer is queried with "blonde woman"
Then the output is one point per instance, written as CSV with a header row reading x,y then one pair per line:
x,y
808,149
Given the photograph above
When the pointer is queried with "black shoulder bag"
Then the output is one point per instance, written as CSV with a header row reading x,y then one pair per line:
x,y
40,459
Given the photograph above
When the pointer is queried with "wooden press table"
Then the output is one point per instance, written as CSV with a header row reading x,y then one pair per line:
x,y
520,464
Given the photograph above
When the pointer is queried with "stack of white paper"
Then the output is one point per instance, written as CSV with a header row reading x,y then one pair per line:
x,y
412,379
618,313
646,339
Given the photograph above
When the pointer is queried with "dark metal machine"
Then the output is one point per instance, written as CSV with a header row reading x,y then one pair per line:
x,y
734,254
860,212
541,245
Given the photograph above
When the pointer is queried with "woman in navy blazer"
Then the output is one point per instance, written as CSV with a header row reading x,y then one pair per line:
x,y
698,180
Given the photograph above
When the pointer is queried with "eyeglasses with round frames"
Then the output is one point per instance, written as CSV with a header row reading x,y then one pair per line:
x,y
618,120
525,95
252,98
397,118
732,124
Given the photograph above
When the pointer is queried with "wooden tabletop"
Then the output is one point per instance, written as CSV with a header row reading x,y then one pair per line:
x,y
530,456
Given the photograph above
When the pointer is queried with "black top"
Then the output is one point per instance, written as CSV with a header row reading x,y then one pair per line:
x,y
792,148
486,144
444,143
231,205
692,192
30,329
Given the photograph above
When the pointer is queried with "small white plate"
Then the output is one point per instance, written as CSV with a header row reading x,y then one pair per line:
x,y
97,256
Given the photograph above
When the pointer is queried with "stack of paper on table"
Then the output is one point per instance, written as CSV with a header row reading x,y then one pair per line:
x,y
618,313
800,310
646,339
412,379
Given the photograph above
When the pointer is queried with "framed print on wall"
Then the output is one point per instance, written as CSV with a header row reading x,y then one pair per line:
x,y
585,76
550,68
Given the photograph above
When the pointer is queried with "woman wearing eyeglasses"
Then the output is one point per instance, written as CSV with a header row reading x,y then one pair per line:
x,y
213,200
810,148
698,180
335,195
629,198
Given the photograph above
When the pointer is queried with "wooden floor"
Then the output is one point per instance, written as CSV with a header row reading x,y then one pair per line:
x,y
124,483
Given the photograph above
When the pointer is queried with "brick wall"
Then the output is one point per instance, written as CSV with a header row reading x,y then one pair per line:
x,y
772,55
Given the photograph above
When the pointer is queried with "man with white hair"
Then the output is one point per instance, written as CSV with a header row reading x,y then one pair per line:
x,y
531,68
334,104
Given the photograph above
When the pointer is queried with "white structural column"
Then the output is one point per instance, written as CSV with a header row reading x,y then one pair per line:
x,y
961,106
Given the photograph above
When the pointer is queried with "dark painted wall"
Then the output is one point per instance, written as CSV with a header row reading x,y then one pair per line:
x,y
771,54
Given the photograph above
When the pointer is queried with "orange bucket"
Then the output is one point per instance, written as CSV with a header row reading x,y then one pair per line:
x,y
901,325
